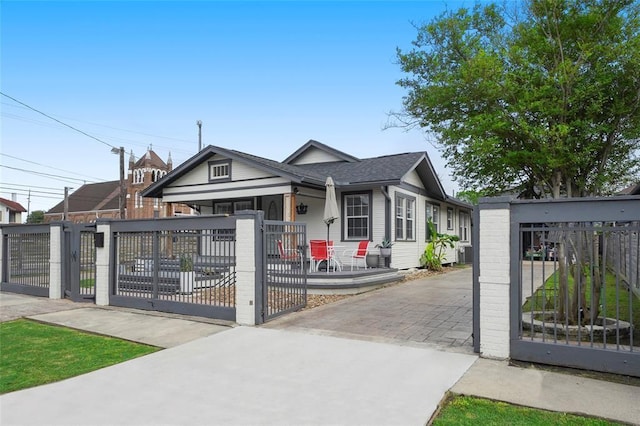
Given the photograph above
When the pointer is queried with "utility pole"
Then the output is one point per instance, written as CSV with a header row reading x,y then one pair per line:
x,y
199,123
65,214
123,194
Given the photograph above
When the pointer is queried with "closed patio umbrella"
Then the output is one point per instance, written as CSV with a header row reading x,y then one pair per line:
x,y
331,212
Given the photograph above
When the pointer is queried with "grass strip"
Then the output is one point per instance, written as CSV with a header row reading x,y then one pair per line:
x,y
33,353
466,410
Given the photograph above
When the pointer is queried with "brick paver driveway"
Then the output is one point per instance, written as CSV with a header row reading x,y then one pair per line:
x,y
434,310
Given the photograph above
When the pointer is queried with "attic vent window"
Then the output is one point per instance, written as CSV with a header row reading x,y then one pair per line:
x,y
219,171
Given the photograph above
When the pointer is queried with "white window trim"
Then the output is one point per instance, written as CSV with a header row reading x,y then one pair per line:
x,y
220,164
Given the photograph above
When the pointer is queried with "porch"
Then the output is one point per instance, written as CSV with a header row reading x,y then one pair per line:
x,y
351,282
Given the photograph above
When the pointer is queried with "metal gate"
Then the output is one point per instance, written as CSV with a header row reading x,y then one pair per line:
x,y
575,298
25,257
179,265
285,272
79,262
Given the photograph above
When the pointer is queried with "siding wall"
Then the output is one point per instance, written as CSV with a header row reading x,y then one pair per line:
x,y
314,155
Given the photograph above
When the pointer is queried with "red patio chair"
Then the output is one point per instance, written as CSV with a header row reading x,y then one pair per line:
x,y
359,253
288,255
319,253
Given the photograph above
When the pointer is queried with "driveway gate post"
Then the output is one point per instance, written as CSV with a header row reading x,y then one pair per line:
x,y
57,254
246,270
104,260
495,277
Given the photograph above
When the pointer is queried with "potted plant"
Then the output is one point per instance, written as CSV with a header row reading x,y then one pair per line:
x,y
187,275
385,248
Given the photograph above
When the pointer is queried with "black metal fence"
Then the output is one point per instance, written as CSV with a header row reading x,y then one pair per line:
x,y
79,261
575,304
184,266
26,254
285,274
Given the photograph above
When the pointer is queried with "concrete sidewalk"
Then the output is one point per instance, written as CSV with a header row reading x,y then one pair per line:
x,y
216,374
249,375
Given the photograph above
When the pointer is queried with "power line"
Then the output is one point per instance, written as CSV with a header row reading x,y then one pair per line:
x,y
44,165
108,127
130,141
32,191
58,121
56,177
32,195
31,186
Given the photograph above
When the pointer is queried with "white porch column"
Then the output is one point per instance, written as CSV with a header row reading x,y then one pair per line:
x,y
245,271
494,278
56,241
102,265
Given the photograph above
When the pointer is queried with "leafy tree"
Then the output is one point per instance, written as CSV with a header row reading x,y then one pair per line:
x,y
471,197
546,96
36,216
541,94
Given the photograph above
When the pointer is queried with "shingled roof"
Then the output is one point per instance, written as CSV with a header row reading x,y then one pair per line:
x,y
92,197
13,206
348,171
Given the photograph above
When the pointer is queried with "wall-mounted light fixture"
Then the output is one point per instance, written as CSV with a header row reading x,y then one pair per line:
x,y
296,190
301,208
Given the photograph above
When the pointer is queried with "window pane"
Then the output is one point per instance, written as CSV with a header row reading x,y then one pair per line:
x,y
410,214
357,216
223,208
243,205
399,218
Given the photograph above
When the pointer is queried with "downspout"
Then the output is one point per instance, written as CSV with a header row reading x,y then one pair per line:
x,y
387,219
387,212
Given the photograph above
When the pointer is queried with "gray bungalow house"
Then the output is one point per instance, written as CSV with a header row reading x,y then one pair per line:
x,y
389,197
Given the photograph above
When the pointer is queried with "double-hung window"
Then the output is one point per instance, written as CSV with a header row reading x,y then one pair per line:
x,y
449,218
405,217
357,216
433,215
464,226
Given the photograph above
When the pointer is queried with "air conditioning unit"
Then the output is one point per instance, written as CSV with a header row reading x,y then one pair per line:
x,y
465,255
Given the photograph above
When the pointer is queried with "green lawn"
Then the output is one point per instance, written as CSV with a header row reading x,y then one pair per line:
x,y
87,282
466,410
33,354
537,301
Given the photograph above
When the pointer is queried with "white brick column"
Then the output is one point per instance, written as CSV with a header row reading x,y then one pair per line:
x,y
494,280
1,253
56,248
102,265
245,271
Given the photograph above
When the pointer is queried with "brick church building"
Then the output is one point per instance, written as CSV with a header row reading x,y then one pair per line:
x,y
102,200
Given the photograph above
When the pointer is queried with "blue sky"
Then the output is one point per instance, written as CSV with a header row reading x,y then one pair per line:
x,y
264,78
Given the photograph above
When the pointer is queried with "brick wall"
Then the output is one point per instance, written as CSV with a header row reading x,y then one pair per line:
x,y
494,280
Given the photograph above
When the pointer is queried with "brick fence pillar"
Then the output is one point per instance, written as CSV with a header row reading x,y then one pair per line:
x,y
103,265
56,249
245,271
494,279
